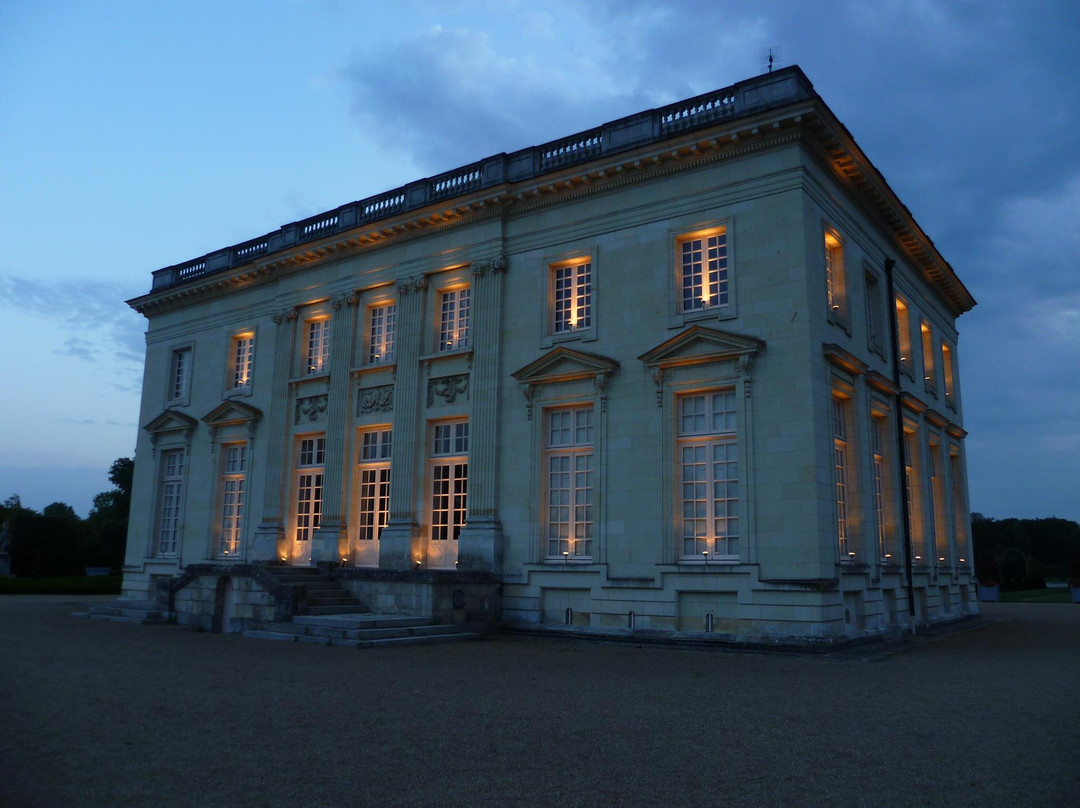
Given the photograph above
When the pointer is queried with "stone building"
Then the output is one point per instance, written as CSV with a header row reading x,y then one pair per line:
x,y
689,372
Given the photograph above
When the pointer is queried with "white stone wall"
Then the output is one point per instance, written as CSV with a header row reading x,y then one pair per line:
x,y
773,204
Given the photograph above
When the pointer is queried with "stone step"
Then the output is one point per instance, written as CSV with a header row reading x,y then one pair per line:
x,y
337,633
420,635
362,620
269,635
330,594
346,608
396,642
136,621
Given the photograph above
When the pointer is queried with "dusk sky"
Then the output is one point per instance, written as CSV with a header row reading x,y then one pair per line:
x,y
137,135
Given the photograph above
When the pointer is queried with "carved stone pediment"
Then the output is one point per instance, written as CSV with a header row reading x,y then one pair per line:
x,y
231,413
228,413
565,365
698,345
171,422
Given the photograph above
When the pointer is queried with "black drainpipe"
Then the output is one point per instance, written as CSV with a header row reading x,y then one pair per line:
x,y
901,443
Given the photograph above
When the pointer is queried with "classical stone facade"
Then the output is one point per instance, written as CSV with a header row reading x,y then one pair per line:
x,y
692,373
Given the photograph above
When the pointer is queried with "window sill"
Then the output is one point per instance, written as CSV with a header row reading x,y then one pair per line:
x,y
238,392
372,368
720,561
837,317
310,377
581,335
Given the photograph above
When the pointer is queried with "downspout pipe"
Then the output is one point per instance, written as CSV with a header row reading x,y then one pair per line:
x,y
905,495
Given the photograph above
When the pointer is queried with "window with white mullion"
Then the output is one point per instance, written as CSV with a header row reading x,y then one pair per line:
x,y
172,492
454,319
878,451
840,467
573,297
374,494
570,483
708,452
232,498
381,338
309,487
243,361
374,500
180,374
449,492
449,480
938,517
703,272
318,346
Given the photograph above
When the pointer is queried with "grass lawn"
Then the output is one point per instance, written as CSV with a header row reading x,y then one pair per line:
x,y
102,585
1037,596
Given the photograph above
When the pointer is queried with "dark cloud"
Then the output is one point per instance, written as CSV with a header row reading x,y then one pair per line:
x,y
969,109
103,325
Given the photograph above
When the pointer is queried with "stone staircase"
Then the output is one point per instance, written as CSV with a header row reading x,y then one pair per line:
x,y
138,612
362,631
324,595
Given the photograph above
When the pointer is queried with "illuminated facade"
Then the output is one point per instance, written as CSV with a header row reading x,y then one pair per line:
x,y
693,371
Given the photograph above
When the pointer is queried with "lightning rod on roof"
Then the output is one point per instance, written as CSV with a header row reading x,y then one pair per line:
x,y
770,58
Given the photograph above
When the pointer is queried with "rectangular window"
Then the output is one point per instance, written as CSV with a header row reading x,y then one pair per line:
x,y
903,336
243,361
449,490
878,440
568,460
572,296
381,335
317,355
454,319
938,517
913,512
835,285
948,369
840,468
180,374
703,272
874,331
708,476
234,470
374,494
309,485
172,493
927,355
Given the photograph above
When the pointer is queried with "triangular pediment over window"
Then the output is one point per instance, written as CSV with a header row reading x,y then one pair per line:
x,y
231,412
171,421
698,345
565,365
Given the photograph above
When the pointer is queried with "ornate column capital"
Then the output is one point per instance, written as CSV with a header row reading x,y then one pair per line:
x,y
346,299
743,366
496,263
284,315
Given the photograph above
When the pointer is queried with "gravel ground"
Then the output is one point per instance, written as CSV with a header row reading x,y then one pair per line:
x,y
104,714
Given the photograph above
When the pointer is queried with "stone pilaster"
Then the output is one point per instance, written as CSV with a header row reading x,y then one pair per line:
x,y
399,543
270,541
480,545
326,544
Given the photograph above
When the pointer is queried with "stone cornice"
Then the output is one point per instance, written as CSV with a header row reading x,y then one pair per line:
x,y
762,113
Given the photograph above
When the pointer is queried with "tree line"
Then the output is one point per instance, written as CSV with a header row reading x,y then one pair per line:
x,y
1023,553
56,542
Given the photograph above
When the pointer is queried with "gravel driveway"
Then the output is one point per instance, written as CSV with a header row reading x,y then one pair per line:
x,y
103,714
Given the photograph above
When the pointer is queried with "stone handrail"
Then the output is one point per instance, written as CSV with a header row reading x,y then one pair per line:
x,y
765,92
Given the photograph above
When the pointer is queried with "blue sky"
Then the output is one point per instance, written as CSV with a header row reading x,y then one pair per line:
x,y
137,135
